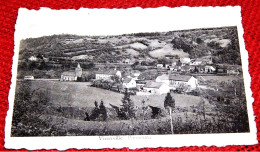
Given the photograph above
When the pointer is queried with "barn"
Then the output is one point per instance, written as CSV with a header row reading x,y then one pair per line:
x,y
156,88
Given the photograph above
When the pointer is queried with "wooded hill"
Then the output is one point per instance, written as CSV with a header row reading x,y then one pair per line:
x,y
220,43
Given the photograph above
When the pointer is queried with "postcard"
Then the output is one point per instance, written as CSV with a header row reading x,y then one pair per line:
x,y
115,78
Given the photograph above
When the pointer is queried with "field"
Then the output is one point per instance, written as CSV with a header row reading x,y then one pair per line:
x,y
79,94
58,109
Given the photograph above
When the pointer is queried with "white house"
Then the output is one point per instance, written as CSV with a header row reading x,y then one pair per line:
x,y
107,74
129,83
156,88
173,68
163,78
134,74
127,61
196,62
183,80
68,76
209,69
232,70
72,75
29,77
185,60
32,58
159,65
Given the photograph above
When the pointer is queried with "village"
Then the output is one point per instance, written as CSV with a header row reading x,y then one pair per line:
x,y
146,83
179,75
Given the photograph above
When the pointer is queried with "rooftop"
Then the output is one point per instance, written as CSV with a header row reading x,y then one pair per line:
x,y
153,84
69,73
163,77
108,72
127,80
185,78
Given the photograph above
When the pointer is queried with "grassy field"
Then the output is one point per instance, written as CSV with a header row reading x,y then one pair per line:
x,y
64,113
79,94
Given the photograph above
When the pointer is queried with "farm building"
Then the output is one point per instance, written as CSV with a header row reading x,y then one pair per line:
x,y
209,69
185,60
156,88
32,58
129,83
107,74
68,76
232,70
134,74
185,68
72,75
196,62
159,65
177,81
173,68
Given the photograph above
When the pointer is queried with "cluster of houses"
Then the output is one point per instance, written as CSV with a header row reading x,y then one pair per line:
x,y
161,85
199,65
164,82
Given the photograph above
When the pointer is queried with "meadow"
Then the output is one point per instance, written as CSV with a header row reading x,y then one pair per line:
x,y
58,109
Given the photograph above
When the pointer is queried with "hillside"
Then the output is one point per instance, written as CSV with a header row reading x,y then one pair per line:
x,y
221,43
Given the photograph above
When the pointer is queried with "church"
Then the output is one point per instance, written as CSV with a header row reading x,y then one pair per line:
x,y
72,75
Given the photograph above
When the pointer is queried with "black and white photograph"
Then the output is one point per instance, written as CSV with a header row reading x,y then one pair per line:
x,y
163,82
181,82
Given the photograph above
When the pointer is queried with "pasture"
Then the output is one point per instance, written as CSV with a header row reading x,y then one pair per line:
x,y
64,113
80,94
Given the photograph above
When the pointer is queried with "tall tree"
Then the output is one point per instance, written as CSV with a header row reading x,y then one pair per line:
x,y
128,105
169,103
103,111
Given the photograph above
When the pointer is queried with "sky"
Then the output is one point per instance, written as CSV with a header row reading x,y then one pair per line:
x,y
36,23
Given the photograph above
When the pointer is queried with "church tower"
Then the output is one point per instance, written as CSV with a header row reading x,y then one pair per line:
x,y
78,71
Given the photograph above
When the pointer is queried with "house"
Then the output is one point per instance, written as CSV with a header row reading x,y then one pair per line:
x,y
68,76
232,70
173,68
196,62
185,60
72,75
32,58
159,65
107,74
156,88
127,61
163,78
29,77
166,66
129,83
209,69
186,68
174,61
177,81
134,74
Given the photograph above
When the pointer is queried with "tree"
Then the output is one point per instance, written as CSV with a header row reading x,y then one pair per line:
x,y
103,111
169,103
95,112
128,105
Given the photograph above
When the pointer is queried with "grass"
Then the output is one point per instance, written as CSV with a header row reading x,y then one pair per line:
x,y
79,94
68,102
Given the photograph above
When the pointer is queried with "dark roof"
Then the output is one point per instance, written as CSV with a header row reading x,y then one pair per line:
x,y
153,84
127,80
69,73
108,72
185,78
163,77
